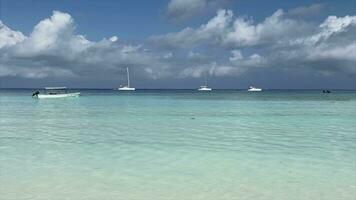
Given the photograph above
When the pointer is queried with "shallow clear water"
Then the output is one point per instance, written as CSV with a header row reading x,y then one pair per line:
x,y
108,145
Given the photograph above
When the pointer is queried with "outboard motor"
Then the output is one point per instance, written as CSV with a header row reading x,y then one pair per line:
x,y
35,93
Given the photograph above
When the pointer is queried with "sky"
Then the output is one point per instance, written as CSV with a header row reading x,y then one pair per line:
x,y
275,44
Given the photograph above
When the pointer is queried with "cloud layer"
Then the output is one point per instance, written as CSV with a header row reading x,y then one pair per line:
x,y
53,49
278,41
223,30
227,45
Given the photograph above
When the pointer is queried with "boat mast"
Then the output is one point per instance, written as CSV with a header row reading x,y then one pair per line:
x,y
0,9
1,22
206,80
128,77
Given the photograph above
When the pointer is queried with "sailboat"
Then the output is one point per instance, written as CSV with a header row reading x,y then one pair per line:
x,y
205,86
127,87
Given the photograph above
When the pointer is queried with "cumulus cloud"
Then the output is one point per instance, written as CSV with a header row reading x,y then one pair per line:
x,y
179,10
237,65
281,40
226,45
188,37
236,55
275,28
53,49
224,31
332,26
9,37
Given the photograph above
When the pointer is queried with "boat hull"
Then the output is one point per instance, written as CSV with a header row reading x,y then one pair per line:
x,y
205,89
126,89
255,90
55,96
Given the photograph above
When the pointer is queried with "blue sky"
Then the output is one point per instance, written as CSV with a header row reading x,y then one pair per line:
x,y
174,43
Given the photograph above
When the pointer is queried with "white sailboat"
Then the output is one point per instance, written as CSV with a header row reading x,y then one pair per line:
x,y
55,92
205,86
127,87
254,89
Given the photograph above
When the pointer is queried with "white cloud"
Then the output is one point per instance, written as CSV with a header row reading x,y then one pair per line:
x,y
9,37
237,65
53,36
113,38
212,69
236,55
223,46
274,28
194,72
242,32
53,49
337,53
50,32
212,31
282,41
333,25
334,40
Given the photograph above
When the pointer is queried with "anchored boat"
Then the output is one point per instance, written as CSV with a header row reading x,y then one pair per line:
x,y
54,92
204,88
254,89
127,87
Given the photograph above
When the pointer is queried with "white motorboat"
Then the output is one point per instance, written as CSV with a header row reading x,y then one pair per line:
x,y
204,88
127,87
54,92
254,89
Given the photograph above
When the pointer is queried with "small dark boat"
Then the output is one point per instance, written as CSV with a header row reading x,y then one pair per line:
x,y
326,91
35,93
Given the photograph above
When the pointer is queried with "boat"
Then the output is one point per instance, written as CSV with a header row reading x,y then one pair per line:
x,y
204,88
127,87
54,92
254,89
326,91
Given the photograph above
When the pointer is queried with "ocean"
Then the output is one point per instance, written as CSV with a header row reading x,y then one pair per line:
x,y
178,145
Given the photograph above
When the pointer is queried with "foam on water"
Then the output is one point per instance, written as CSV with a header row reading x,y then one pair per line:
x,y
178,145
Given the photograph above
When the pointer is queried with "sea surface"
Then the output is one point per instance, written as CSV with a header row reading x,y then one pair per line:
x,y
178,145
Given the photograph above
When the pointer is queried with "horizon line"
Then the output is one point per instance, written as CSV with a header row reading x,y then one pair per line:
x,y
89,88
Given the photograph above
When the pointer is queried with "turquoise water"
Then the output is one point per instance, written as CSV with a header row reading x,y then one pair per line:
x,y
107,145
